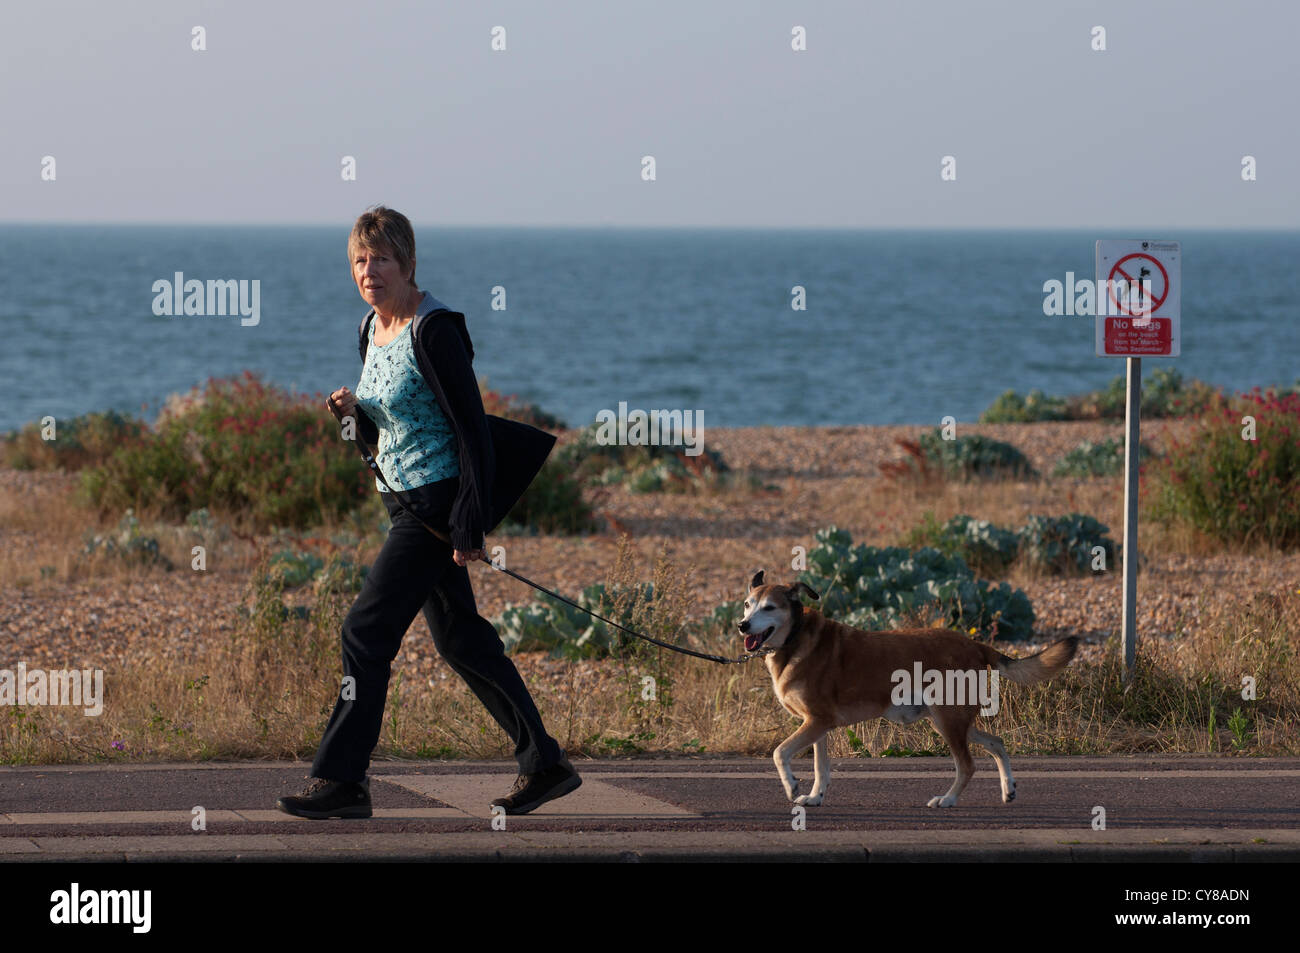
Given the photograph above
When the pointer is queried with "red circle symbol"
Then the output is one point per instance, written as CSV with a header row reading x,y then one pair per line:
x,y
1156,302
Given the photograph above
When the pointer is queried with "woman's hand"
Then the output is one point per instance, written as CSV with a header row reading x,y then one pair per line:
x,y
461,558
345,403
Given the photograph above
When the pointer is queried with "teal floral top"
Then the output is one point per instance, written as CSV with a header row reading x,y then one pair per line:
x,y
416,443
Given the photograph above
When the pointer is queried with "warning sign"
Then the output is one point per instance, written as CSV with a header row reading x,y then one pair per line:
x,y
1137,337
1142,292
1140,316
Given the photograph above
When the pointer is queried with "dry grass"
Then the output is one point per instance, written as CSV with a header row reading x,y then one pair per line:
x,y
45,534
263,686
260,693
266,692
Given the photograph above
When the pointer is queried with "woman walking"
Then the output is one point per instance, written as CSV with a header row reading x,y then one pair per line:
x,y
418,402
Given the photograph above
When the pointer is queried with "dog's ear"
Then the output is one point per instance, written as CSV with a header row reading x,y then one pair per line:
x,y
756,581
807,590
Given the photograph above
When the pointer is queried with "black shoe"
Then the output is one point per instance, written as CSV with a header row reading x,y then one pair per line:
x,y
323,798
531,791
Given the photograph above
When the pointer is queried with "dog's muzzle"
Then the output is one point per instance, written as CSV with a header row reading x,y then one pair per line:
x,y
752,640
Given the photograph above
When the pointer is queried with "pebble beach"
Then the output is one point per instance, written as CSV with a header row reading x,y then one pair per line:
x,y
803,478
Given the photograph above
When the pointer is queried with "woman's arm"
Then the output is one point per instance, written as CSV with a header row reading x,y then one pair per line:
x,y
343,404
449,362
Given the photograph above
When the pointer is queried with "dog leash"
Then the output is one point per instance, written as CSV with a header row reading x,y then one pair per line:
x,y
374,467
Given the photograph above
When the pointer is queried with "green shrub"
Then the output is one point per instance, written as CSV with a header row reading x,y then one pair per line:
x,y
237,445
1011,408
1230,488
1064,544
1105,404
566,632
1103,458
642,468
127,543
1001,613
200,527
659,476
151,472
1052,544
78,442
553,503
873,588
722,619
974,457
291,567
1164,394
985,548
340,575
277,459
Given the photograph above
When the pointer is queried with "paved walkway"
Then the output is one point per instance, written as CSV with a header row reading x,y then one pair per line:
x,y
1175,808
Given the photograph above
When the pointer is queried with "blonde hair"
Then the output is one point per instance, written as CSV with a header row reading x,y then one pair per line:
x,y
381,229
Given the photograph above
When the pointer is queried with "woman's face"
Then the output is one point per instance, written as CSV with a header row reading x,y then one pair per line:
x,y
380,280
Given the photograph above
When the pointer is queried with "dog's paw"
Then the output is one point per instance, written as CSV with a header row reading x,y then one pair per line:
x,y
791,789
812,800
1009,795
941,801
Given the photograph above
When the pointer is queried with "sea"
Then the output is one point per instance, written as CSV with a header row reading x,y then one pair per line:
x,y
745,327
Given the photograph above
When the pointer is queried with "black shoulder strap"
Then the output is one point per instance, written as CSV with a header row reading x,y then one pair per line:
x,y
363,337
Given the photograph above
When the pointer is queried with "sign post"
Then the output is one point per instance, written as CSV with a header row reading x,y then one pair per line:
x,y
1138,313
1132,440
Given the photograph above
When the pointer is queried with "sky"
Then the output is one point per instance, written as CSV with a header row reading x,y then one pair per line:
x,y
1044,130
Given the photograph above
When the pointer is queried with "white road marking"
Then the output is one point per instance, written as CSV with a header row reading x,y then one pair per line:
x,y
472,794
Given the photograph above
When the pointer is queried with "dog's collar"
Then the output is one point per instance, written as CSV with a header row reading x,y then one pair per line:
x,y
796,626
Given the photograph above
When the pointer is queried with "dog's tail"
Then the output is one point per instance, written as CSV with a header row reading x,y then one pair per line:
x,y
1034,668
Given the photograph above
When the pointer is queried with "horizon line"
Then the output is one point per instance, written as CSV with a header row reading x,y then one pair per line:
x,y
608,226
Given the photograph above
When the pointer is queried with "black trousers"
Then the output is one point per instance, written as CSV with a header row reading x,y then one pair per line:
x,y
414,571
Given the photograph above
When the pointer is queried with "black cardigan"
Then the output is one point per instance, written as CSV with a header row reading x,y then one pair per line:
x,y
444,352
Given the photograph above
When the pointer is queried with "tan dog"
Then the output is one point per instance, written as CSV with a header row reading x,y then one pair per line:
x,y
830,675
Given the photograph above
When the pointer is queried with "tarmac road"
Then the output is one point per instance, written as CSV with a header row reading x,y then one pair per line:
x,y
681,808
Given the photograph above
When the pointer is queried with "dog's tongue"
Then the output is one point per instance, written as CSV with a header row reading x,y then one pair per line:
x,y
751,643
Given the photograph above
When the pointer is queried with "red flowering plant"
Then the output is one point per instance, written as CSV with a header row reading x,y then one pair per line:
x,y
1237,476
239,445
